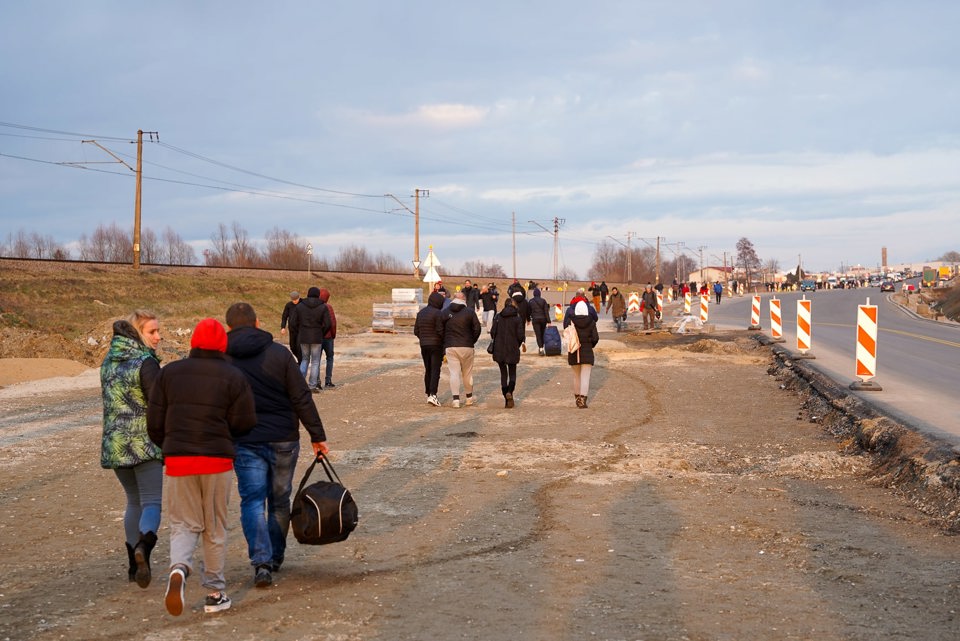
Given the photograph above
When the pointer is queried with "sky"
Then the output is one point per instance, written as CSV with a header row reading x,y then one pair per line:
x,y
822,131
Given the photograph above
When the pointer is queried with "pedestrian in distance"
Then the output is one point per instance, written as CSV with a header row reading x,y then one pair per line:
x,y
581,295
286,320
266,457
595,294
460,334
197,407
127,374
618,306
648,302
428,328
488,298
326,345
539,310
523,307
581,360
312,321
604,293
718,291
515,287
472,295
508,339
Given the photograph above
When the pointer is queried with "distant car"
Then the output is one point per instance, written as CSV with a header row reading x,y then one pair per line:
x,y
808,285
887,286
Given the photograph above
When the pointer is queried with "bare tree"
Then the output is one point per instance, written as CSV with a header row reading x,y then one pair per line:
x,y
219,255
566,274
109,244
244,252
747,258
150,251
175,250
480,269
285,250
608,262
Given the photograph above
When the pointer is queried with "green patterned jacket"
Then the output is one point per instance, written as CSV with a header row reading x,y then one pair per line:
x,y
125,442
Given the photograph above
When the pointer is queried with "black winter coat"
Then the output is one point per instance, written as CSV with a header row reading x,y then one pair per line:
x,y
428,326
461,327
311,319
280,393
472,295
588,336
199,405
539,309
489,299
507,334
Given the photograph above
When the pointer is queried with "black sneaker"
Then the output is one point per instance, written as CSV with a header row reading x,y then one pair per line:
x,y
315,390
329,384
263,578
216,602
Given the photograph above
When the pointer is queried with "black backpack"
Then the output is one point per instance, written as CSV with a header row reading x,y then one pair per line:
x,y
323,512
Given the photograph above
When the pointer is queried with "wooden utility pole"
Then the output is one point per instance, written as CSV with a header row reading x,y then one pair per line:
x,y
136,205
155,137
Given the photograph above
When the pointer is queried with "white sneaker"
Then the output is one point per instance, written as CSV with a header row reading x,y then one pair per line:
x,y
456,402
433,400
470,401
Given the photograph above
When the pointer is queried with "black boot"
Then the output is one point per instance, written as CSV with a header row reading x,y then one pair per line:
x,y
579,400
584,406
132,568
141,554
509,399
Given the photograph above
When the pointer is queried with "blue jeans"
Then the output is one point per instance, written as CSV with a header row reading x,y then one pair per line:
x,y
265,482
310,365
327,347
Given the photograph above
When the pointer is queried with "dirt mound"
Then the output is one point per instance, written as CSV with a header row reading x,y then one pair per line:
x,y
710,346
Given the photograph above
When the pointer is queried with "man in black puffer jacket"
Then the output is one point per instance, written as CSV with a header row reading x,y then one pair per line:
x,y
267,456
539,316
428,327
311,318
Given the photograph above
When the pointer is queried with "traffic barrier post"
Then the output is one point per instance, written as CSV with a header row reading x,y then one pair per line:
x,y
776,325
804,328
704,308
686,303
755,314
866,349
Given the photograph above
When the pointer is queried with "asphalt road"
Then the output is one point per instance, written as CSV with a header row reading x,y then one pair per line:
x,y
918,360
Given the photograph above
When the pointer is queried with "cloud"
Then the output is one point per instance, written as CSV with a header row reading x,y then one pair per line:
x,y
434,116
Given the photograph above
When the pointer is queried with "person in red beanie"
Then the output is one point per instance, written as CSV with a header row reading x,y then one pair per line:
x,y
196,408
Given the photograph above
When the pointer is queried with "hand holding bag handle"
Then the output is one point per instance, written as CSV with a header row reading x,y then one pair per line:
x,y
327,467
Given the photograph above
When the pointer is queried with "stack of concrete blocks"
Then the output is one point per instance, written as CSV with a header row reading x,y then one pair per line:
x,y
400,313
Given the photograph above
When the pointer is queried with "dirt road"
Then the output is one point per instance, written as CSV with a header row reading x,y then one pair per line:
x,y
694,499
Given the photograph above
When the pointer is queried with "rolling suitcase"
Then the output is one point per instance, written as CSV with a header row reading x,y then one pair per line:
x,y
551,341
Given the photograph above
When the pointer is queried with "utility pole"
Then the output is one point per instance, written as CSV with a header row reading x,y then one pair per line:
x,y
513,221
659,238
556,245
701,248
630,234
416,230
416,225
138,172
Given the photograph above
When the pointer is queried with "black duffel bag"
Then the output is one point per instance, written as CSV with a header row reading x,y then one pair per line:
x,y
323,512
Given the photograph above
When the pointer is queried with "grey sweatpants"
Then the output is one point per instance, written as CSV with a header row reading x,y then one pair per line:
x,y
197,509
460,364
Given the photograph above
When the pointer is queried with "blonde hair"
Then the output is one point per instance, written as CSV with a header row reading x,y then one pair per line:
x,y
139,318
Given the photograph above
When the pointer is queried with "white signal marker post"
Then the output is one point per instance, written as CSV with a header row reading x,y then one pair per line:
x,y
866,349
804,328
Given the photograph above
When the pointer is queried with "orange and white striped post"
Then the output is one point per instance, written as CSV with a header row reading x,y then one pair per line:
x,y
755,314
704,308
633,303
686,303
776,325
866,348
659,299
804,328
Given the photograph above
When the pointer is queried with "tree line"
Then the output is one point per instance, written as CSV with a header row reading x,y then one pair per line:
x,y
231,246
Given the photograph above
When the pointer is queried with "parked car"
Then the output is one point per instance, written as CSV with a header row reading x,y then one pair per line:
x,y
887,286
808,285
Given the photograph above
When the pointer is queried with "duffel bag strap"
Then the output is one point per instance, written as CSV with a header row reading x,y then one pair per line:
x,y
327,467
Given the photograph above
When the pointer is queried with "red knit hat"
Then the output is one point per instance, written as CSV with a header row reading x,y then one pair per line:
x,y
209,334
